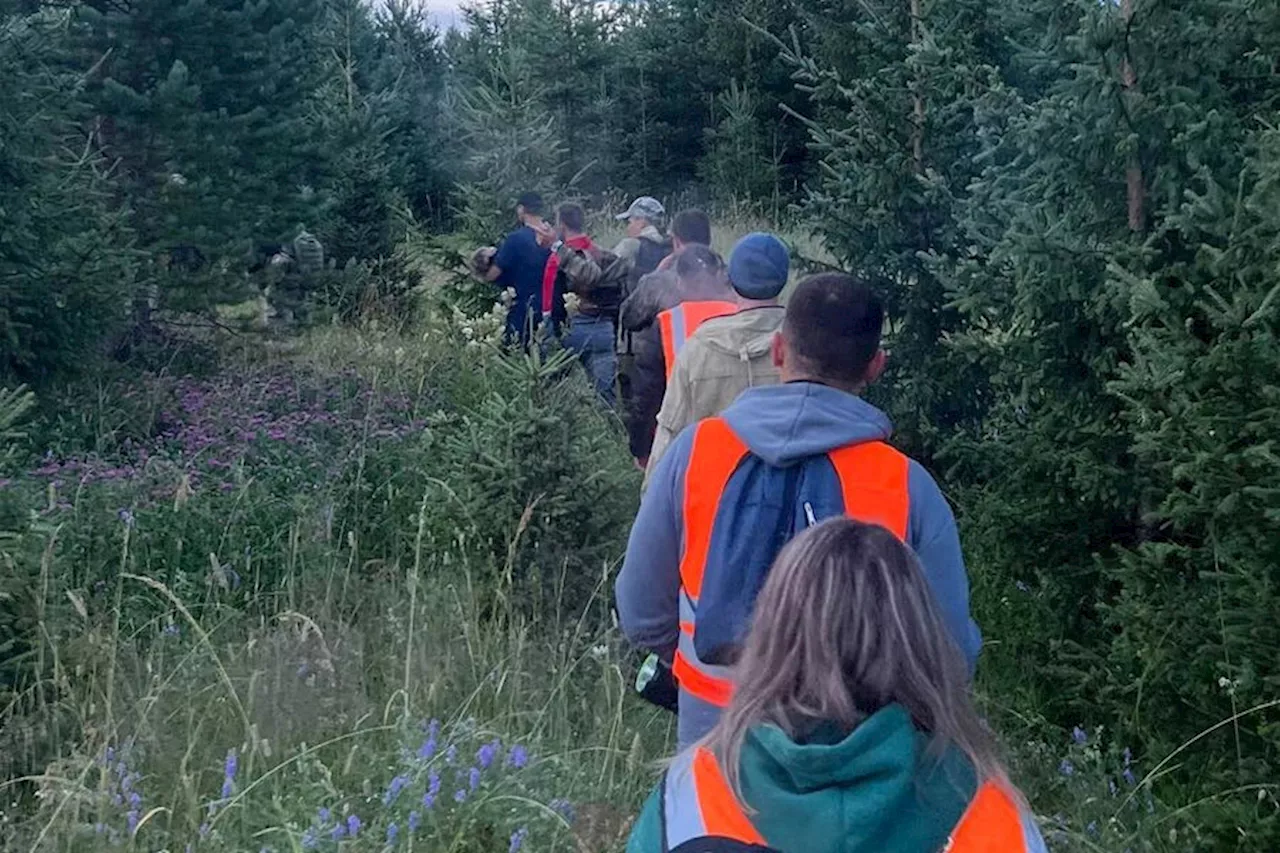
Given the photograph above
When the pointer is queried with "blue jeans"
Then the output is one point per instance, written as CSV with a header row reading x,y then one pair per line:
x,y
592,339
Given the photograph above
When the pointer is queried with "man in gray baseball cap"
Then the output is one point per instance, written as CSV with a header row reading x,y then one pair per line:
x,y
644,246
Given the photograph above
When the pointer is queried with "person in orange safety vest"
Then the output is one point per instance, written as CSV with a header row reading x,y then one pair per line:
x,y
732,490
851,728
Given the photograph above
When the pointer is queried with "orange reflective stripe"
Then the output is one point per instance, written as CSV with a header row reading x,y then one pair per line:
x,y
991,824
678,324
666,328
715,455
722,816
873,477
708,688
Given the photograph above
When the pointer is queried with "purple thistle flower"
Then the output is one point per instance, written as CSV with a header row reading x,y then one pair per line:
x,y
519,757
1066,768
1078,735
392,832
415,820
460,795
473,778
518,838
353,825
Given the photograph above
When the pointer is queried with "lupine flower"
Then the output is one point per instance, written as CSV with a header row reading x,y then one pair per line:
x,y
392,832
1111,787
451,755
415,820
393,790
460,795
473,778
428,747
564,808
518,757
1078,735
205,829
1129,778
323,815
1092,828
229,770
433,790
132,820
487,753
1066,768
309,839
135,800
518,838
353,825
337,832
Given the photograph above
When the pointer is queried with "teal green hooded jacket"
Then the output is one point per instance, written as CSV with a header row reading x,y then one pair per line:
x,y
874,791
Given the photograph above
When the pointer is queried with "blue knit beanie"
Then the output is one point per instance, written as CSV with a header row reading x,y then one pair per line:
x,y
758,266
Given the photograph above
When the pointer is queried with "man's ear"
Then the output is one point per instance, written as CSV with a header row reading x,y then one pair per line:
x,y
877,366
778,349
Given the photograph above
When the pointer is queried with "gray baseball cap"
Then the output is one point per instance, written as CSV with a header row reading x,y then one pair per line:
x,y
644,207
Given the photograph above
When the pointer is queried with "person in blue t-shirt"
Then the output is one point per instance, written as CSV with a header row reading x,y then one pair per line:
x,y
518,264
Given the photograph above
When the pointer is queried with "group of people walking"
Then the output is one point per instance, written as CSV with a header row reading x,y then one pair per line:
x,y
799,578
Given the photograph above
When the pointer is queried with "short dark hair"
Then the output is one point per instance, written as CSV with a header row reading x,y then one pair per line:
x,y
572,217
531,202
833,326
697,261
692,227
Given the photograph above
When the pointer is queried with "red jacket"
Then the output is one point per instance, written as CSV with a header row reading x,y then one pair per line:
x,y
582,243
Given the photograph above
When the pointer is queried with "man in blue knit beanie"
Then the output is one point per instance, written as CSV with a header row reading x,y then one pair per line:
x,y
729,354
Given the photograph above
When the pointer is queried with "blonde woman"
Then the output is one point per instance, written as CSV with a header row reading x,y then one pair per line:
x,y
850,728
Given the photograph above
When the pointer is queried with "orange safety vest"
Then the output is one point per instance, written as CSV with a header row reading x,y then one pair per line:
x,y
679,323
697,802
873,480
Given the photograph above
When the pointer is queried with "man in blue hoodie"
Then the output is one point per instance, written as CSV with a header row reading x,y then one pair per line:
x,y
732,490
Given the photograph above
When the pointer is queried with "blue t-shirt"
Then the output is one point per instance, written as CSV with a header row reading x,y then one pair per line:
x,y
522,261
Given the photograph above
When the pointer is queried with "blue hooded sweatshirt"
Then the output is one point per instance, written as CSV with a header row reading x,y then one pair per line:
x,y
784,426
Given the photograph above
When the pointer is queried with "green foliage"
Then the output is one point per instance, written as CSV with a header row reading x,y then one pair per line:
x,y
66,264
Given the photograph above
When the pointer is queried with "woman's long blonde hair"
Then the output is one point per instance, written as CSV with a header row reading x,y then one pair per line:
x,y
845,626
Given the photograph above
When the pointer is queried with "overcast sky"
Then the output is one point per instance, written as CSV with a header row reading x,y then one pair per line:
x,y
443,12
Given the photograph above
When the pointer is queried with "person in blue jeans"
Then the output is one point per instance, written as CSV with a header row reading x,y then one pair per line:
x,y
519,264
596,278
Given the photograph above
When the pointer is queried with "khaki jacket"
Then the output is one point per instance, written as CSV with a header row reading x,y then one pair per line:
x,y
723,358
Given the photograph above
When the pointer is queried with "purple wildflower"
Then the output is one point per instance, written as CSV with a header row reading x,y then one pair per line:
x,y
518,838
309,840
1022,586
323,815
564,808
1066,768
415,820
392,832
1111,787
132,819
126,517
451,755
1129,778
338,831
433,790
99,828
487,753
1078,735
353,825
460,795
205,829
172,630
135,800
428,747
393,790
518,757
473,779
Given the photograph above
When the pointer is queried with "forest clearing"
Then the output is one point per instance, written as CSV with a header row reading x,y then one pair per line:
x,y
303,551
